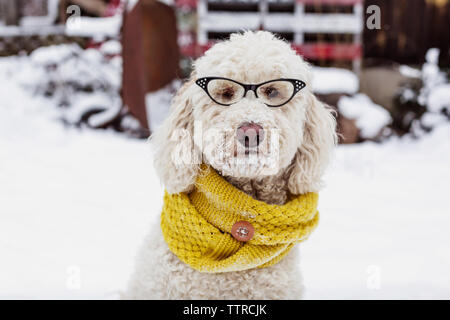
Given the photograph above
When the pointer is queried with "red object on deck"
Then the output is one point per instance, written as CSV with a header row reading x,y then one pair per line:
x,y
321,51
150,54
113,7
192,4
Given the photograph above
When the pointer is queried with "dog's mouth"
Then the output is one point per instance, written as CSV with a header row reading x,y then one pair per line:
x,y
248,154
246,151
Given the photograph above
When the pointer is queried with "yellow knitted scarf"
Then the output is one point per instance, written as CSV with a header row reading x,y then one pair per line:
x,y
197,226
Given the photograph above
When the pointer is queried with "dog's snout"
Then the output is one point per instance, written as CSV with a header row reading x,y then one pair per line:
x,y
250,134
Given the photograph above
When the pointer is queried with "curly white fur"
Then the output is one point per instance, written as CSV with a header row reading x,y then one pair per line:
x,y
305,130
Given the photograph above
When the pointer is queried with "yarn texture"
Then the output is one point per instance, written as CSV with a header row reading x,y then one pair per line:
x,y
197,226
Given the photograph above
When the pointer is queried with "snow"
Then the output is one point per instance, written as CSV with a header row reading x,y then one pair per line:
x,y
370,117
83,104
54,54
430,120
433,78
73,200
334,80
111,47
78,80
432,56
15,31
384,223
69,198
439,98
95,27
410,72
434,95
76,203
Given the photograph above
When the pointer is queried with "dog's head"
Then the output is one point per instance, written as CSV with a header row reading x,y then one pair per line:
x,y
242,129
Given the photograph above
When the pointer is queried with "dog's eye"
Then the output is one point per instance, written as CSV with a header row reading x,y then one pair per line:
x,y
227,94
271,92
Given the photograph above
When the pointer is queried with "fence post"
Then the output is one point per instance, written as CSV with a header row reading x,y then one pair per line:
x,y
357,40
263,9
202,34
11,11
298,13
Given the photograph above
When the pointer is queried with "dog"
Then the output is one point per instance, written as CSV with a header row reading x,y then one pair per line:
x,y
302,136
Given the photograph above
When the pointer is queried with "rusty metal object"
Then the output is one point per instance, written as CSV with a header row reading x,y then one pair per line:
x,y
150,53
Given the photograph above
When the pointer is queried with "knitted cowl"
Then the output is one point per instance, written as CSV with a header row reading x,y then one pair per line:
x,y
197,226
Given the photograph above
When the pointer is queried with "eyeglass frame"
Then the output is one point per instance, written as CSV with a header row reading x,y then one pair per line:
x,y
297,84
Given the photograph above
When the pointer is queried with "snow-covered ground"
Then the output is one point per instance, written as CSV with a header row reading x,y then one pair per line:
x,y
75,204
385,222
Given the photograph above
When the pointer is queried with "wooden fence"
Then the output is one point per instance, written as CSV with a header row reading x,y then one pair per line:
x,y
28,13
316,33
408,29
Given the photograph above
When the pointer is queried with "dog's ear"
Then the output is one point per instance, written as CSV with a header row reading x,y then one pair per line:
x,y
174,152
313,156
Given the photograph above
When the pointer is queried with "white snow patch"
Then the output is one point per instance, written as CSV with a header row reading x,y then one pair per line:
x,y
17,31
370,117
410,72
432,76
111,47
431,120
95,27
54,54
408,95
432,56
439,98
334,80
83,104
102,118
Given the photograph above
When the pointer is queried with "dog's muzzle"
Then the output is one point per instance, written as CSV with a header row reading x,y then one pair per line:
x,y
250,134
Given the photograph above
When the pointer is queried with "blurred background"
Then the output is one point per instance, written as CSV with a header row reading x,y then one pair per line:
x,y
83,84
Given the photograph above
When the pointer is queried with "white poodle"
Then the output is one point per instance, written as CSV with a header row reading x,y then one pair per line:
x,y
301,131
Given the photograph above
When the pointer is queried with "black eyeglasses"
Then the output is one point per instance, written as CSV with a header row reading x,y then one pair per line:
x,y
273,93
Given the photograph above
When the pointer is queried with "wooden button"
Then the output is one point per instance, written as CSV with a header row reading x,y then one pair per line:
x,y
242,231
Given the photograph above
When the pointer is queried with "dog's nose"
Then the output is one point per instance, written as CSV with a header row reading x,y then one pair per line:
x,y
250,134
